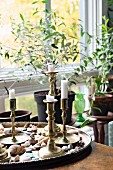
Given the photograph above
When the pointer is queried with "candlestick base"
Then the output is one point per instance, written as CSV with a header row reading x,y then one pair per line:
x,y
69,139
46,153
20,138
56,128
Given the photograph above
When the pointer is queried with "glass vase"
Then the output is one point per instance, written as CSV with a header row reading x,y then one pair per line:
x,y
79,105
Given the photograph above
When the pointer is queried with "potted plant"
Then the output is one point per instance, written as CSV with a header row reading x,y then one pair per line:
x,y
101,62
47,42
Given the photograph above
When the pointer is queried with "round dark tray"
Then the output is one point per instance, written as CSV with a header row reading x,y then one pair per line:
x,y
53,162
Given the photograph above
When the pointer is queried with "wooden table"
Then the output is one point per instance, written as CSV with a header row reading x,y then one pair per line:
x,y
101,158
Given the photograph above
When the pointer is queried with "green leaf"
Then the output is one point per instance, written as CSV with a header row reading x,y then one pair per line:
x,y
34,2
6,55
54,46
51,57
88,41
75,57
46,11
21,16
45,1
86,122
40,21
35,12
53,27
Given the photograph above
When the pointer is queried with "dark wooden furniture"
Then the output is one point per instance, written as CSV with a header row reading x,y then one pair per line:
x,y
101,122
98,126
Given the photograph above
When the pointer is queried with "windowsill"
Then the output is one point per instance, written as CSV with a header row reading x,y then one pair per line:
x,y
22,84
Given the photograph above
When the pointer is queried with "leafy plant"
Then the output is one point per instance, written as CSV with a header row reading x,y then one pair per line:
x,y
46,41
100,60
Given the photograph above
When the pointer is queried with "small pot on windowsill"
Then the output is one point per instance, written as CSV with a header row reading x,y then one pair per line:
x,y
20,116
101,105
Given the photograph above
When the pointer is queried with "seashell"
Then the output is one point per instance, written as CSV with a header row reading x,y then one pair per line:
x,y
26,144
43,144
16,150
17,158
32,141
37,147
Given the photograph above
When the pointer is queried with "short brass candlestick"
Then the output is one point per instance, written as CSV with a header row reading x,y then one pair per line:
x,y
66,137
14,138
51,150
12,108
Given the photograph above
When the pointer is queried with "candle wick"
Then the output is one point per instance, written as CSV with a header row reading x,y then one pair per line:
x,y
6,90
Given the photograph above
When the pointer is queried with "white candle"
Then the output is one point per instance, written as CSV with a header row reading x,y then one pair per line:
x,y
64,89
50,68
49,98
12,94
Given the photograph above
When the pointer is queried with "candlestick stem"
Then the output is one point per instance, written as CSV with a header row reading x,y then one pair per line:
x,y
12,108
64,106
52,76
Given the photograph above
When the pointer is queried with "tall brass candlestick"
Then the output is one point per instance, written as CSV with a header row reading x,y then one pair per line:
x,y
12,108
52,77
51,150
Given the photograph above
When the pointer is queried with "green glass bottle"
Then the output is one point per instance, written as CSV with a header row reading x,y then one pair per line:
x,y
79,105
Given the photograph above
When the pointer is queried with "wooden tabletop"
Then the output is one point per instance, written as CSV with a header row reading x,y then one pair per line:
x,y
101,158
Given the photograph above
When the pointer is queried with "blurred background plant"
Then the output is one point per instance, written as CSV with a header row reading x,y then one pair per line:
x,y
46,38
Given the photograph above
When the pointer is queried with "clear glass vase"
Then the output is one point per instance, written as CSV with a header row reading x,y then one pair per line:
x,y
79,105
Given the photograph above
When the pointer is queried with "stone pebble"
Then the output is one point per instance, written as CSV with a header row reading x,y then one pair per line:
x,y
25,158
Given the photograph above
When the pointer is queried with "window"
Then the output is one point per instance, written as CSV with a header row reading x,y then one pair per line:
x,y
88,10
9,11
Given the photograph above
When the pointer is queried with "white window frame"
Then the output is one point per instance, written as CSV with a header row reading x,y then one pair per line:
x,y
91,13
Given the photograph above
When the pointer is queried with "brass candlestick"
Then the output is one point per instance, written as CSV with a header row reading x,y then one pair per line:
x,y
52,77
66,137
51,150
14,138
12,108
